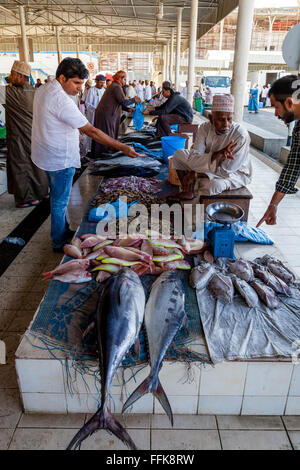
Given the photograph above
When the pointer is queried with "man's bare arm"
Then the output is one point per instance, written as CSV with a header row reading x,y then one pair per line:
x,y
105,139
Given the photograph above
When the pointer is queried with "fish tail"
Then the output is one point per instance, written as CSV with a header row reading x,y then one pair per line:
x,y
163,400
141,390
150,384
103,419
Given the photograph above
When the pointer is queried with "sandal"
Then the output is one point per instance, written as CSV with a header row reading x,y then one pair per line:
x,y
28,204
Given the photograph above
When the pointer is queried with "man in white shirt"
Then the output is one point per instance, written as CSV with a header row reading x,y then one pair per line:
x,y
92,99
131,91
148,91
55,140
219,155
140,90
184,90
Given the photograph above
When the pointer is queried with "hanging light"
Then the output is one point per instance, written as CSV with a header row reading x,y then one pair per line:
x,y
160,11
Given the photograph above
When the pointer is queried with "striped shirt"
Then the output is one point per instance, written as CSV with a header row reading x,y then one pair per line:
x,y
291,171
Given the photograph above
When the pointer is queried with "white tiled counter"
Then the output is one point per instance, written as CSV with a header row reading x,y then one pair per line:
x,y
235,388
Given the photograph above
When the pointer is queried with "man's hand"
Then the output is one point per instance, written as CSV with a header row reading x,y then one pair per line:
x,y
130,152
269,216
146,111
226,152
151,108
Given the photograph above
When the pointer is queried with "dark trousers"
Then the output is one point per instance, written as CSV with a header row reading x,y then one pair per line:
x,y
164,122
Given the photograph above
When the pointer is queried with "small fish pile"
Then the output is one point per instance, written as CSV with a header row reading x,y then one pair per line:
x,y
262,279
99,256
146,199
131,183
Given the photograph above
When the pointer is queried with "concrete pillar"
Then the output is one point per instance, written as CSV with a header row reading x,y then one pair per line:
x,y
164,67
24,53
58,46
172,56
77,47
240,63
168,62
270,33
178,48
221,35
192,50
119,61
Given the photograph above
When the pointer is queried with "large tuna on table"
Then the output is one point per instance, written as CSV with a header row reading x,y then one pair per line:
x,y
119,317
163,318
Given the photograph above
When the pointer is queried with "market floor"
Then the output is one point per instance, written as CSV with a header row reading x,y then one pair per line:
x,y
21,290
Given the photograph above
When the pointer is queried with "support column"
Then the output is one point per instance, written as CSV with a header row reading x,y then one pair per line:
x,y
192,50
118,61
240,63
164,68
58,47
168,62
178,48
221,35
23,35
77,47
172,56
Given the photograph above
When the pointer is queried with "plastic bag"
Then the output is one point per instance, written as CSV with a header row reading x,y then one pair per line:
x,y
138,117
243,233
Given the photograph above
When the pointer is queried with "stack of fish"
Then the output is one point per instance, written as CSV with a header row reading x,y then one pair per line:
x,y
262,279
96,254
125,166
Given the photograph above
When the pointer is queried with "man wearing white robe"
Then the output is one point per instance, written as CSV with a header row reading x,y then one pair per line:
x,y
140,90
219,155
148,91
92,99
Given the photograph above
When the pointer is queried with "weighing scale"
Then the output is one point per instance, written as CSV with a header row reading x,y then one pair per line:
x,y
221,238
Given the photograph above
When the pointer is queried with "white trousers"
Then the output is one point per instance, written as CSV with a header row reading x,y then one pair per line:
x,y
212,185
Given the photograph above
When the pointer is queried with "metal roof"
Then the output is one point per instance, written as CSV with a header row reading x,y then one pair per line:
x,y
118,24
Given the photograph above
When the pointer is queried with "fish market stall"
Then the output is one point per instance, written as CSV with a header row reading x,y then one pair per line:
x,y
206,364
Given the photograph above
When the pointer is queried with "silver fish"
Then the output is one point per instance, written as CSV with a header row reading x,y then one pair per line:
x,y
277,268
222,288
246,291
119,318
201,275
277,284
265,293
242,269
164,315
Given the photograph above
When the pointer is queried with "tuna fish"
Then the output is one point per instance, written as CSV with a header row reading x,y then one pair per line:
x,y
266,294
222,288
277,284
277,268
164,315
119,318
201,275
242,269
246,291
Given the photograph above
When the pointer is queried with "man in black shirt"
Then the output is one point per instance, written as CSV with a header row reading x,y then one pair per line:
x,y
176,110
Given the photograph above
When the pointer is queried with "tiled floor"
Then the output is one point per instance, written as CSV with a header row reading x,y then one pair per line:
x,y
21,290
